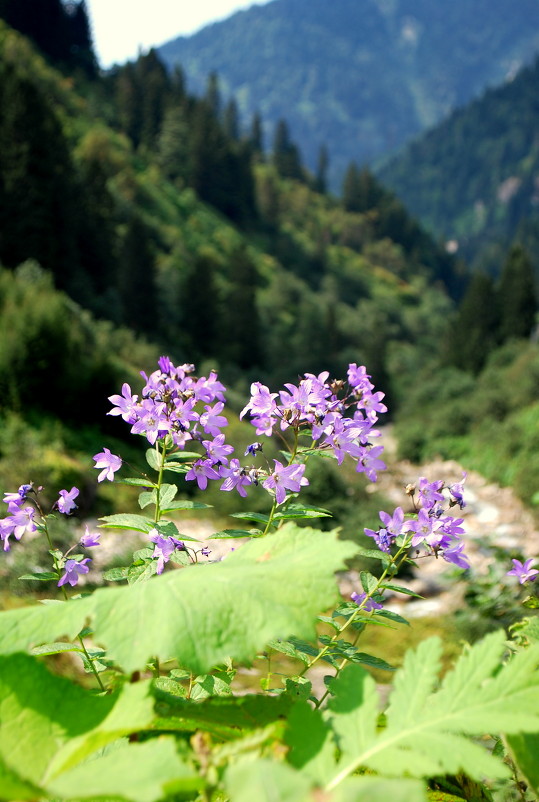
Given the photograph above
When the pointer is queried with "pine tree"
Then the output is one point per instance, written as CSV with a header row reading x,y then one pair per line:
x,y
517,295
322,170
256,138
137,279
213,95
37,184
286,156
242,331
231,123
475,331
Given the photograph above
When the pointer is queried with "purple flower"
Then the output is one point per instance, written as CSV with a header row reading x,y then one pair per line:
x,y
369,605
370,463
18,497
90,539
217,450
285,478
523,571
252,449
429,492
125,404
164,548
110,464
212,421
235,477
202,470
73,570
66,502
454,555
16,524
457,492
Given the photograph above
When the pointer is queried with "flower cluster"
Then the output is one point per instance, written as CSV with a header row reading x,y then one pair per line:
x,y
19,518
170,403
339,416
430,528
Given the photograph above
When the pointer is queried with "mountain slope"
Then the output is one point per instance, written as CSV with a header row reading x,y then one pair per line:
x,y
474,178
360,77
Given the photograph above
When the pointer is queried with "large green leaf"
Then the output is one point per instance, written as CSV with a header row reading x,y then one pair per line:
x,y
525,751
48,724
270,588
424,732
144,772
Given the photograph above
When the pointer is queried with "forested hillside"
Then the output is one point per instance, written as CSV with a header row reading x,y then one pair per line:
x,y
136,218
359,77
474,178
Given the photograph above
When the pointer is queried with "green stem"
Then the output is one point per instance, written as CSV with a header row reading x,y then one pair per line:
x,y
340,667
396,561
66,598
160,482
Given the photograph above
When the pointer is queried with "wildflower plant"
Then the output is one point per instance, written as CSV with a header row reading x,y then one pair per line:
x,y
178,623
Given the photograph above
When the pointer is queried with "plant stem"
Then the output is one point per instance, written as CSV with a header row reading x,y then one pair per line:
x,y
396,561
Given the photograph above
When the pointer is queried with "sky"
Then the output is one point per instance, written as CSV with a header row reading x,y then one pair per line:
x,y
121,27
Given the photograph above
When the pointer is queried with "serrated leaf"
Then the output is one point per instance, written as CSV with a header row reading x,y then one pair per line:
x,y
185,505
146,498
424,733
225,534
116,574
153,458
259,517
299,511
177,467
137,523
139,772
55,648
377,789
179,456
221,716
311,742
400,589
391,616
232,610
524,749
135,482
266,781
48,724
374,554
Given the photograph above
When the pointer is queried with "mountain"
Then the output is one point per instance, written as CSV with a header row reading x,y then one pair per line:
x,y
474,179
359,76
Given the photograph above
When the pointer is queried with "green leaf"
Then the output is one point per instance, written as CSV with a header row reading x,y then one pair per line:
x,y
266,781
227,601
41,576
299,511
55,648
49,725
524,749
185,505
153,458
400,589
136,482
141,772
116,574
391,616
259,517
137,523
179,456
177,467
424,733
221,716
374,554
231,533
376,789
